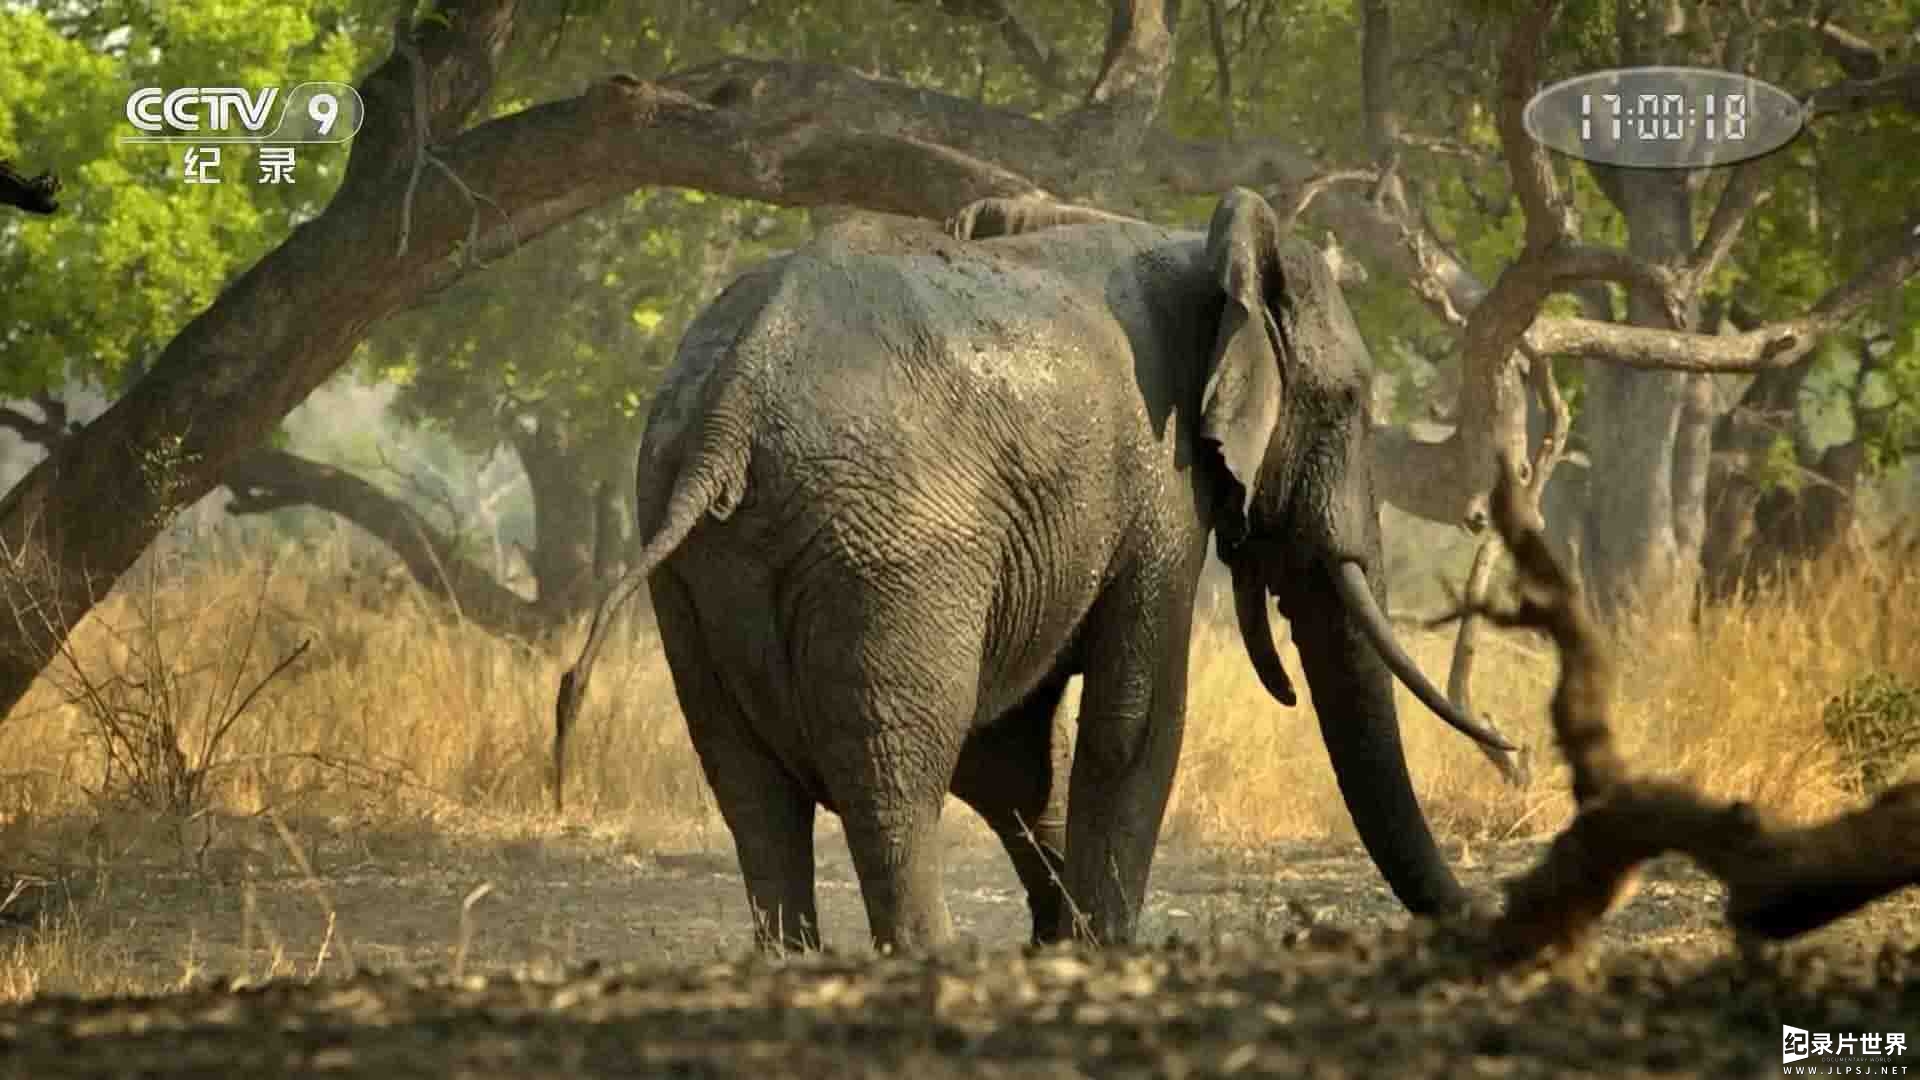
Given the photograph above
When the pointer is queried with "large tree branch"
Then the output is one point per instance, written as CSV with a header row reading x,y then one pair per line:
x,y
269,479
1899,87
1049,155
1777,344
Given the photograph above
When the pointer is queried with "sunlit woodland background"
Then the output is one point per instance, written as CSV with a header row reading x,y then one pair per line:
x,y
367,612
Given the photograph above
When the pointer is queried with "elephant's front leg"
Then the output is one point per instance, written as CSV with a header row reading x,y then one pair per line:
x,y
1132,717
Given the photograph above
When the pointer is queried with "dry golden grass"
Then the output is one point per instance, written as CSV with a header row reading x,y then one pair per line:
x,y
1732,702
401,716
398,707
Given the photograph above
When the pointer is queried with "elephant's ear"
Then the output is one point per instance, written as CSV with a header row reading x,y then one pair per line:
x,y
1241,403
984,219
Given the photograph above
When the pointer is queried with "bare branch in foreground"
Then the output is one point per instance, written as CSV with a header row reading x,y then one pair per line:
x,y
1512,765
1515,767
1781,880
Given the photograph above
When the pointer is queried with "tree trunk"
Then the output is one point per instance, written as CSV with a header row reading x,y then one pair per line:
x,y
1641,527
566,525
79,519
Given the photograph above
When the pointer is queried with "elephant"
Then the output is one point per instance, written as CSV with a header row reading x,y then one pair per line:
x,y
894,494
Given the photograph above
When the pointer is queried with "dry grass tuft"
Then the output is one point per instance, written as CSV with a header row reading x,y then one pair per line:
x,y
398,708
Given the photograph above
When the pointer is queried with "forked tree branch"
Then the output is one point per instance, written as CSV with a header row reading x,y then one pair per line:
x,y
1898,87
1746,190
1776,344
1855,54
1781,880
35,195
1039,60
1540,198
38,432
1222,62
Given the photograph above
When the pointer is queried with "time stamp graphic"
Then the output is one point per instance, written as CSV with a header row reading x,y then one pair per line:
x,y
1664,117
207,118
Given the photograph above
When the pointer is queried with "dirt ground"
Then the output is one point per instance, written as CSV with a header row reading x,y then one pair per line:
x,y
593,954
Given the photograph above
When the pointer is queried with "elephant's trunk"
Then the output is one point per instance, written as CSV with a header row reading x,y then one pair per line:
x,y
1256,632
1353,695
1357,598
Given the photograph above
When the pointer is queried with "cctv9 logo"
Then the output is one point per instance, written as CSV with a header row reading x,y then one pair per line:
x,y
312,112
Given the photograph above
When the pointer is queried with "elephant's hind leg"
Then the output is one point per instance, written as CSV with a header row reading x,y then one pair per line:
x,y
768,811
1014,775
889,790
889,722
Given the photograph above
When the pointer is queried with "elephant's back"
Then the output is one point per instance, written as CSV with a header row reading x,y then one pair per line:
x,y
926,342
935,376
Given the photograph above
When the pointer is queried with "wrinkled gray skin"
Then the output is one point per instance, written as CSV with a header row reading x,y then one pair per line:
x,y
896,493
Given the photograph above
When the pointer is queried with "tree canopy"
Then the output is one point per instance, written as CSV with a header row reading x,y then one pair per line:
x,y
542,195
96,291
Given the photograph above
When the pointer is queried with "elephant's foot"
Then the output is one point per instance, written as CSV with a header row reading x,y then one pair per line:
x,y
898,863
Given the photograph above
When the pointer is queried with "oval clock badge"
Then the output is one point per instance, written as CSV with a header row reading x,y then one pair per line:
x,y
1664,117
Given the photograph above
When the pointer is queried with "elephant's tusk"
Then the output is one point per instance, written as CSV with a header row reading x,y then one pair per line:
x,y
1256,631
1351,583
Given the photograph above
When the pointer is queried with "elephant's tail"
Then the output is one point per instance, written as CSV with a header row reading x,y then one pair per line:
x,y
696,493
